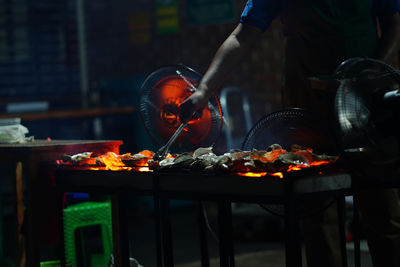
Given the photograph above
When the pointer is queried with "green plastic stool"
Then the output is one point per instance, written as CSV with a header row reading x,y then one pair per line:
x,y
79,216
55,263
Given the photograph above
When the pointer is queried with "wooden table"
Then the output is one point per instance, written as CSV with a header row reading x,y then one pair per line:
x,y
68,114
27,157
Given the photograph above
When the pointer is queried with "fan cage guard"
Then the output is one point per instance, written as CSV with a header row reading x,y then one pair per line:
x,y
288,127
358,109
149,112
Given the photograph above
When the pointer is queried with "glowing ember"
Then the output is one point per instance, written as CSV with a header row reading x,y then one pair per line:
x,y
147,153
319,163
252,174
277,174
144,169
296,167
260,174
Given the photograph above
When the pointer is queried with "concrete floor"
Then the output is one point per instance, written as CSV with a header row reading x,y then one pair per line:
x,y
258,237
254,246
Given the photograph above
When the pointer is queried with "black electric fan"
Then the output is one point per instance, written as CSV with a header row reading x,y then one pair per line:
x,y
287,127
367,109
161,94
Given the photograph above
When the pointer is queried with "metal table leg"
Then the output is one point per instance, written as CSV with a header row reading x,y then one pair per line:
x,y
356,221
225,234
205,259
292,231
166,234
341,208
157,223
120,230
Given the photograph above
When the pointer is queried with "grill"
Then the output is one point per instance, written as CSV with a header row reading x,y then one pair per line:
x,y
223,188
314,183
311,180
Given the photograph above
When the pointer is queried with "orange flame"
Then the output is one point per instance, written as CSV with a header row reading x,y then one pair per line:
x,y
260,174
296,167
318,163
112,161
144,169
252,174
147,153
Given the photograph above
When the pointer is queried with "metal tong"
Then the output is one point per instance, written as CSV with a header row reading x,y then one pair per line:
x,y
162,152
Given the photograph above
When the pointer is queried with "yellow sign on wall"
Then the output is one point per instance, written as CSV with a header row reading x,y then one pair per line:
x,y
139,27
167,16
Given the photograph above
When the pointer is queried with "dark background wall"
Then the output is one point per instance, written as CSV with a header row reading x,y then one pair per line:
x,y
124,45
113,53
40,59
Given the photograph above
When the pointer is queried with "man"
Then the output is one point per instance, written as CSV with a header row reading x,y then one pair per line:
x,y
320,35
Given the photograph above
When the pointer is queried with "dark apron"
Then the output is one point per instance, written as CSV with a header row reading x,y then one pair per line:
x,y
320,35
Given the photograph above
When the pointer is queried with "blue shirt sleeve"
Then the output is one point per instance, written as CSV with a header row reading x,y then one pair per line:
x,y
385,7
260,13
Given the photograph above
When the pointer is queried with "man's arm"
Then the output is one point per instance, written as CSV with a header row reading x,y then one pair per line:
x,y
228,55
389,43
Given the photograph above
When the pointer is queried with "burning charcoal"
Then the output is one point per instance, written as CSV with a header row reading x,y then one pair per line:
x,y
274,159
267,156
134,160
240,155
153,164
201,151
257,153
291,158
296,148
238,165
251,166
264,166
305,153
81,158
132,157
312,157
223,163
147,153
203,161
215,163
183,160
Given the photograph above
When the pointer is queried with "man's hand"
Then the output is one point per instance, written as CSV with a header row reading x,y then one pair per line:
x,y
192,104
227,56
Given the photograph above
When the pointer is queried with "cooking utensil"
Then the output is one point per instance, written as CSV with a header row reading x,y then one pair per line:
x,y
162,152
162,92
